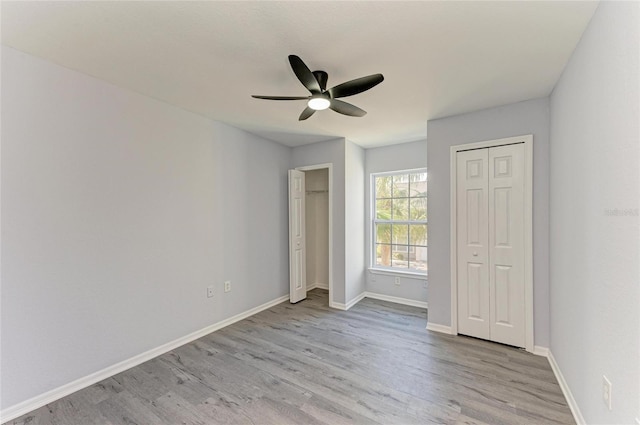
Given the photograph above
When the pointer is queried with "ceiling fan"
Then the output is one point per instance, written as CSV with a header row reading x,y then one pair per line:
x,y
321,98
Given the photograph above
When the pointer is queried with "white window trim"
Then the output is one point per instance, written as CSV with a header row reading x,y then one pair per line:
x,y
397,272
373,268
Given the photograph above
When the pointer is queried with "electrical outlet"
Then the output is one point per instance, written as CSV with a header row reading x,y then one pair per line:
x,y
397,281
424,284
227,286
209,291
373,277
606,391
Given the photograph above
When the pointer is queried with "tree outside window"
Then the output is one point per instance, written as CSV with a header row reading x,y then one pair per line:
x,y
400,221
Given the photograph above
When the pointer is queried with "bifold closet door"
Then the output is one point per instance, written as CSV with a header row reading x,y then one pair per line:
x,y
472,240
506,244
490,241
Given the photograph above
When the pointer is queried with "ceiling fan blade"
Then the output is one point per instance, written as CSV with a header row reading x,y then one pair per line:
x,y
304,74
346,108
306,113
355,86
280,97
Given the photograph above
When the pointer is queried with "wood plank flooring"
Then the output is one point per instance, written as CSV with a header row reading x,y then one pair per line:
x,y
308,364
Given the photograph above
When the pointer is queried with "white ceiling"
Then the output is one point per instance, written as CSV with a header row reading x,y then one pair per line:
x,y
438,58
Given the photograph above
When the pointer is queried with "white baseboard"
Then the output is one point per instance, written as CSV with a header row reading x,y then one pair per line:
x,y
36,402
347,306
338,306
575,410
540,351
439,328
317,285
377,296
397,300
356,300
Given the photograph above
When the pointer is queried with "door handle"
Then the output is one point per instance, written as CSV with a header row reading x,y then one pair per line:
x,y
475,253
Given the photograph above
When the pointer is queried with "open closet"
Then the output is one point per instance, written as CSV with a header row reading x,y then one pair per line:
x,y
317,227
309,230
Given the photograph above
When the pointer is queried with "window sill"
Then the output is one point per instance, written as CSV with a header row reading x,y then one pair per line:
x,y
409,275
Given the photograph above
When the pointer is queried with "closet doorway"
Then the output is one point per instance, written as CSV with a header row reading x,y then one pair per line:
x,y
491,240
311,267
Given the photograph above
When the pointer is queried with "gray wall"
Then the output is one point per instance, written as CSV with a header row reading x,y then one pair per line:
x,y
529,117
354,221
117,212
403,156
333,152
595,255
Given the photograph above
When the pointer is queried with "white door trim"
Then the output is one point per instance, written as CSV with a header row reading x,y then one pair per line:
x,y
328,166
527,140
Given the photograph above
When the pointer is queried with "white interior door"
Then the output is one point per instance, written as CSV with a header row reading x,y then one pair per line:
x,y
506,244
297,253
472,242
490,229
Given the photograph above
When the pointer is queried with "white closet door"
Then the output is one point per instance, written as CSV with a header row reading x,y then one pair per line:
x,y
506,244
472,241
297,252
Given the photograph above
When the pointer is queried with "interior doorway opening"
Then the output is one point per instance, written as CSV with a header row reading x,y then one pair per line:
x,y
318,227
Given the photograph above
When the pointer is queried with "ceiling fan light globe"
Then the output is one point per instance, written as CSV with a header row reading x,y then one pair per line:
x,y
318,103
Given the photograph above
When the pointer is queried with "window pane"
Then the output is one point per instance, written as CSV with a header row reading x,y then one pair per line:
x,y
401,209
383,233
418,234
383,209
400,198
383,186
401,186
400,256
383,255
418,184
418,210
400,234
419,259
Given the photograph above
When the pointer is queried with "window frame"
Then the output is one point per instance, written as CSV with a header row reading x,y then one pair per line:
x,y
380,269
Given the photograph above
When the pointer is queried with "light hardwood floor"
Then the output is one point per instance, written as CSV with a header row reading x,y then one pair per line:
x,y
308,364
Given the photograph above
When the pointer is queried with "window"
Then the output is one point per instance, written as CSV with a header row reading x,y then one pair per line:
x,y
400,221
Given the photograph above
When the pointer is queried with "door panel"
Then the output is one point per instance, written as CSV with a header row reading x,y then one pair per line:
x,y
299,266
472,242
506,244
502,285
474,291
502,212
297,253
474,203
